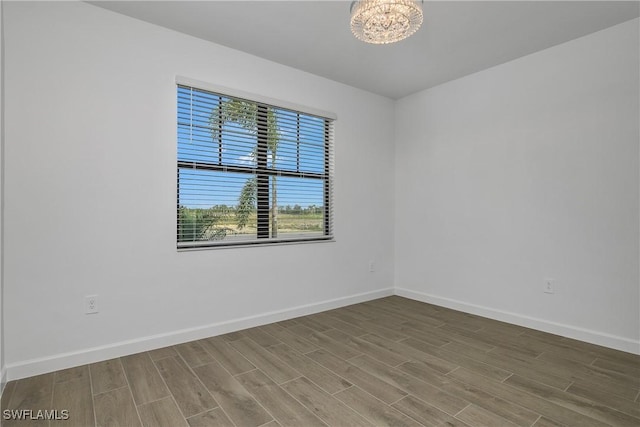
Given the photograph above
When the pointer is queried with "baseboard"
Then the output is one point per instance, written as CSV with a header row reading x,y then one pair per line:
x,y
56,362
590,336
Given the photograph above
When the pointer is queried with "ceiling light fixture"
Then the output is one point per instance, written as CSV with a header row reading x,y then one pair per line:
x,y
385,21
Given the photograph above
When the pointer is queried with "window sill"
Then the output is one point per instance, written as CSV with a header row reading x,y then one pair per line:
x,y
252,244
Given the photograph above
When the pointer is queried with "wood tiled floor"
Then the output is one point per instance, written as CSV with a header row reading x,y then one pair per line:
x,y
391,361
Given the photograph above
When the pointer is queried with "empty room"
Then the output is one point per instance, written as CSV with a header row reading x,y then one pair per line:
x,y
320,213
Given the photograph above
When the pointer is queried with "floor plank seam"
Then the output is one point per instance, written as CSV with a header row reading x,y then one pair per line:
x,y
153,401
304,406
398,400
288,381
173,398
503,381
579,410
133,400
205,411
190,368
242,373
358,412
402,363
536,421
344,389
110,390
53,387
453,370
461,410
254,398
93,398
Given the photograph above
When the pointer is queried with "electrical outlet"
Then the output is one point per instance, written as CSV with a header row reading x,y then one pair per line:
x,y
90,304
371,266
548,286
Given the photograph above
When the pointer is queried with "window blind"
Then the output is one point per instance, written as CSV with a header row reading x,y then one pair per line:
x,y
250,172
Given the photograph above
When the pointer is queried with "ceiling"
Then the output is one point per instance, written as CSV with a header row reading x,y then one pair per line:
x,y
457,38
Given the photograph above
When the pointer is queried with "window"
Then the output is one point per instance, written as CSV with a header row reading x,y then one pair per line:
x,y
250,172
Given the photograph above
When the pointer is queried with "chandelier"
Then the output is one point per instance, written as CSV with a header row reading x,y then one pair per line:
x,y
385,21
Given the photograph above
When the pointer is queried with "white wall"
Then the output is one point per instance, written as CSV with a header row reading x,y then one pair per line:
x,y
525,171
2,363
90,193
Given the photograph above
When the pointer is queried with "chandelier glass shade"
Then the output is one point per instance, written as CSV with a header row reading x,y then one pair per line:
x,y
385,21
